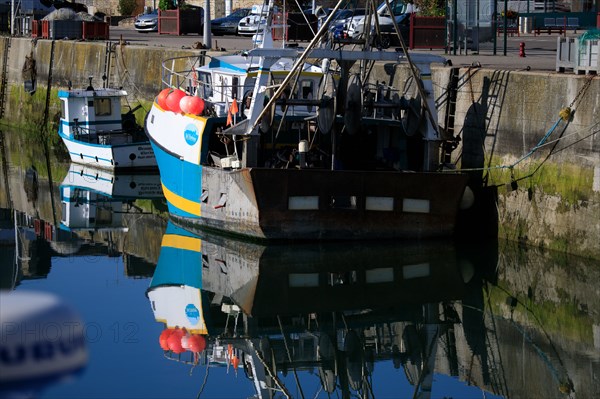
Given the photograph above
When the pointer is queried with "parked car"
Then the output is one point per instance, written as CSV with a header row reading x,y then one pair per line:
x,y
229,25
356,26
250,24
147,22
342,19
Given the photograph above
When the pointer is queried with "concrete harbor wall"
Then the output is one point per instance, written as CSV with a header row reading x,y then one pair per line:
x,y
548,197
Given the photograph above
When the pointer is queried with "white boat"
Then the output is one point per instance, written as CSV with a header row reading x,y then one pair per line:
x,y
365,163
96,199
96,133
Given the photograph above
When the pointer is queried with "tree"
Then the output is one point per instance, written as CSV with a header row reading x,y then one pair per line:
x,y
431,7
127,7
166,5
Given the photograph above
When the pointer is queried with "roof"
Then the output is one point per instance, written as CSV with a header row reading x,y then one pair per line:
x,y
91,93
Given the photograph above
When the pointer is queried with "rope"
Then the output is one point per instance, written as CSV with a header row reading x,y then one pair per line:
x,y
564,115
512,166
125,76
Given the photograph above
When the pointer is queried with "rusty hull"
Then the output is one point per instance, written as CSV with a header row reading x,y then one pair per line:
x,y
256,203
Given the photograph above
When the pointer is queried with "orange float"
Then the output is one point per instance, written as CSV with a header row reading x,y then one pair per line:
x,y
192,105
163,338
173,100
161,99
174,341
197,343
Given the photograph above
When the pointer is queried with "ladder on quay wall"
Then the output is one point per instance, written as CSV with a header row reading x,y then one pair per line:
x,y
451,93
110,59
495,101
4,76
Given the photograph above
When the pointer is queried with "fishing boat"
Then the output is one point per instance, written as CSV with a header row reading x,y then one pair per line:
x,y
366,160
96,132
96,199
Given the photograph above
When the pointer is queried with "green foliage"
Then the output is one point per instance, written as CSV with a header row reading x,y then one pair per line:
x,y
430,8
166,5
127,7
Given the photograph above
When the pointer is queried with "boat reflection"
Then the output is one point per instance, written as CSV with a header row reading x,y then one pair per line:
x,y
270,310
97,199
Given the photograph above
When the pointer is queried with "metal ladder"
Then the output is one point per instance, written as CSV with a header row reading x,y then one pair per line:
x,y
4,77
110,58
451,94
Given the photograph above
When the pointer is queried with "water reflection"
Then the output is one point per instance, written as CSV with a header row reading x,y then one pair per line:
x,y
385,320
328,309
96,199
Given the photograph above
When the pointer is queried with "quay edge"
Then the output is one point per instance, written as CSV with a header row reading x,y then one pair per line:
x,y
544,201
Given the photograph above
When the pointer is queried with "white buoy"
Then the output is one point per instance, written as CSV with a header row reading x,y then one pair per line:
x,y
42,340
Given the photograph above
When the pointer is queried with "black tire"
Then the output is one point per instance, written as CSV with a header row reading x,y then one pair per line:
x,y
384,41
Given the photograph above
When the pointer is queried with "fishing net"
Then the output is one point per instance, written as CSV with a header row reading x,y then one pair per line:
x,y
587,40
592,34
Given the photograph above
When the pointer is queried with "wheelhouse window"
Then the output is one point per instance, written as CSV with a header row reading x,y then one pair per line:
x,y
306,92
102,106
63,108
235,87
205,85
306,89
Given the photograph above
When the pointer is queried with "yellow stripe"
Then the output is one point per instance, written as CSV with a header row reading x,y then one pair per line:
x,y
185,205
182,242
201,331
279,74
197,117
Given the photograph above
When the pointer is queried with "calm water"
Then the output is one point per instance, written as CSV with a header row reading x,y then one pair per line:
x,y
384,320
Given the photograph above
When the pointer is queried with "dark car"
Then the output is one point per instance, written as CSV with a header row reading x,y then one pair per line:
x,y
147,22
342,19
228,25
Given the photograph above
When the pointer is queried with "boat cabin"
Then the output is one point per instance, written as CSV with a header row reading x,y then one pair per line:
x,y
87,210
229,77
90,111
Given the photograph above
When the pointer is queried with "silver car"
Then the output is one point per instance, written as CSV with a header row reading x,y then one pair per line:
x,y
147,22
254,22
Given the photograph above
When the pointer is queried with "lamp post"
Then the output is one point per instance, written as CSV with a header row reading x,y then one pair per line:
x,y
207,38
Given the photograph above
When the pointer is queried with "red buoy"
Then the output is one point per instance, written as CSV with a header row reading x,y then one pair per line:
x,y
163,339
197,343
161,99
192,105
173,100
174,341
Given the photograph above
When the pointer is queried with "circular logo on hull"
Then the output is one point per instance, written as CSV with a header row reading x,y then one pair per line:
x,y
192,313
191,134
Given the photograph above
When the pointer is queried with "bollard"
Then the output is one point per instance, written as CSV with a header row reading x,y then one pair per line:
x,y
522,49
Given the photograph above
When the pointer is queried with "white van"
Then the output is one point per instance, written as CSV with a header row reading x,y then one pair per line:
x,y
250,24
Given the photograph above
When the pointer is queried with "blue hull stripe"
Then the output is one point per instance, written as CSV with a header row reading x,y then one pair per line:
x,y
64,122
181,179
91,157
176,264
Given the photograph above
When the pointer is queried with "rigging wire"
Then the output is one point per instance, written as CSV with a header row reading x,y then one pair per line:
x,y
565,115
